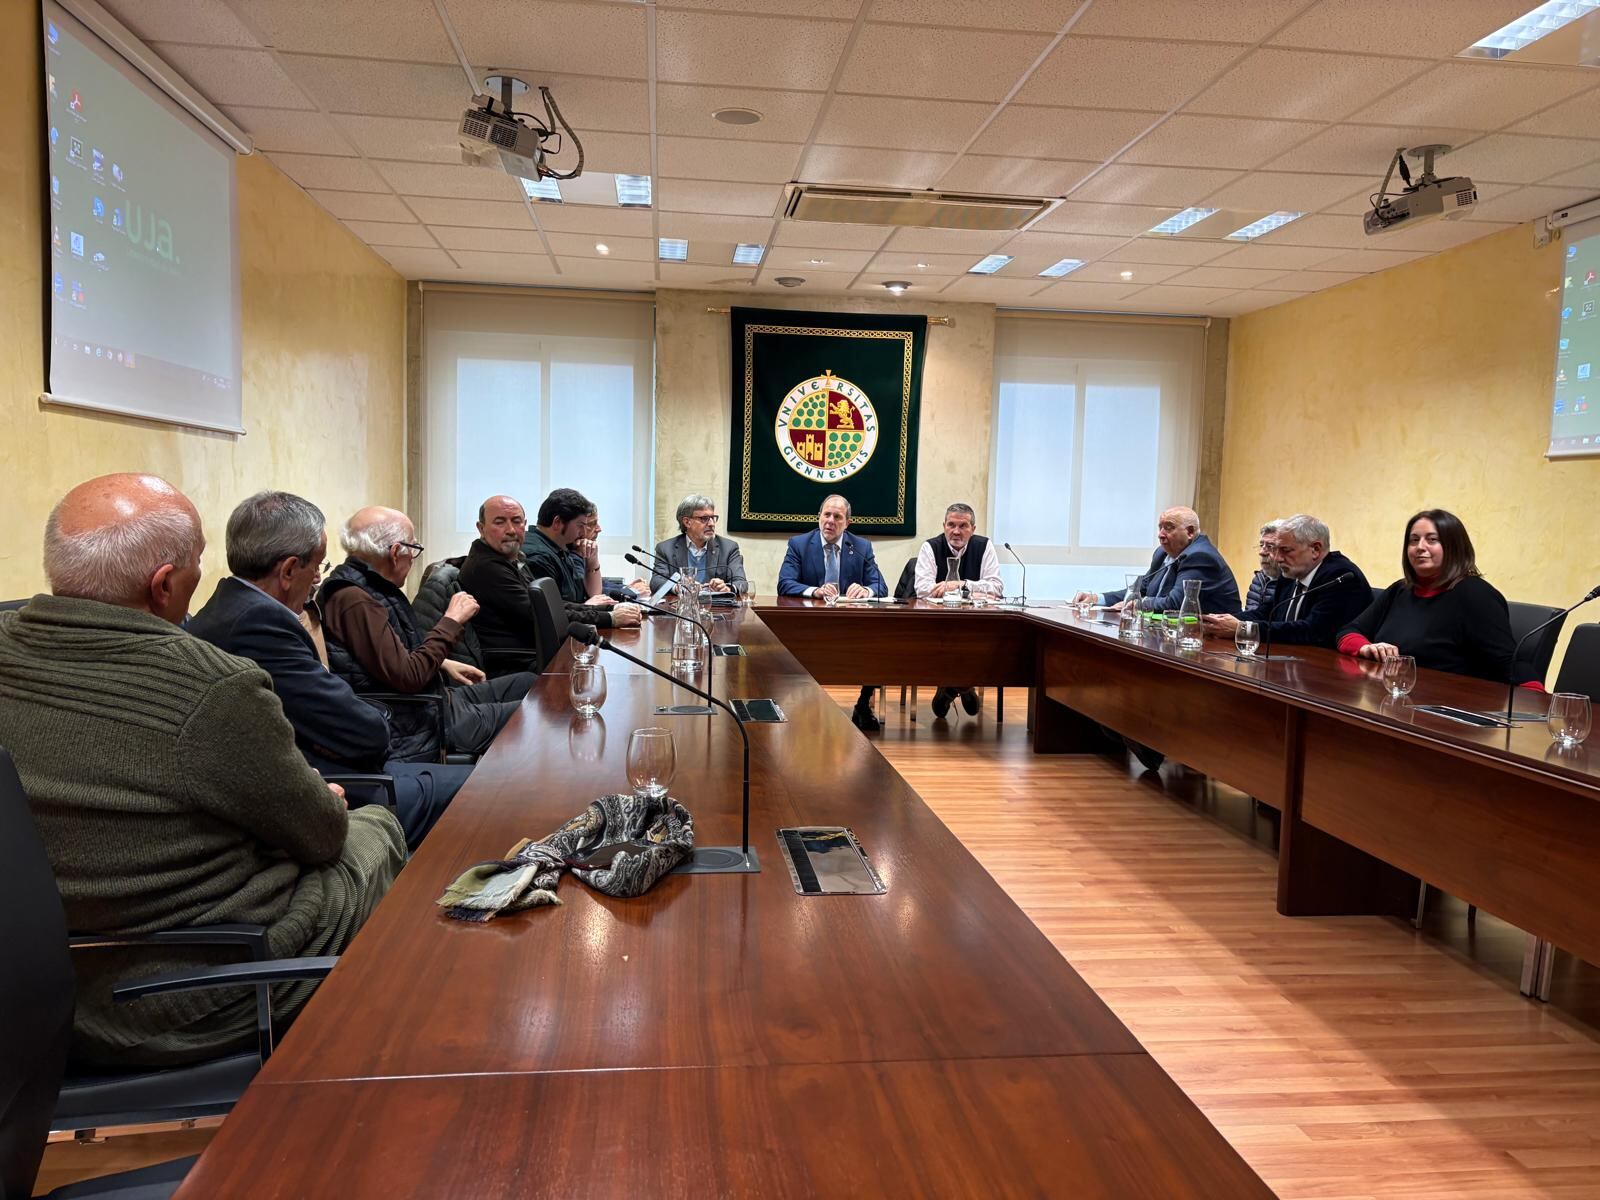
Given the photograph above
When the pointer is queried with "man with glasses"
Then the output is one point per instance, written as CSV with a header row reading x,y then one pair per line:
x,y
698,553
376,643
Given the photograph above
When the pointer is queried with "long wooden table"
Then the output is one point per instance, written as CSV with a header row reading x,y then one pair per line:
x,y
720,1036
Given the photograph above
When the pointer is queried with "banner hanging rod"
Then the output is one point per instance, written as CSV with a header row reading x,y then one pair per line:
x,y
722,312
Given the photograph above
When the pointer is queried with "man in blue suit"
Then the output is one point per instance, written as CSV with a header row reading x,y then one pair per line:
x,y
1185,553
829,562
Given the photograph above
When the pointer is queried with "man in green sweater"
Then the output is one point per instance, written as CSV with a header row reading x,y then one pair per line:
x,y
164,779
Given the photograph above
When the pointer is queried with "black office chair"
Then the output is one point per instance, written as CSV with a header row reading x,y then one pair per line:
x,y
440,581
1580,665
549,618
1534,658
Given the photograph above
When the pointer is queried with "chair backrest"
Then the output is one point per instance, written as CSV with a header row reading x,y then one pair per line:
x,y
1376,592
440,581
11,605
1534,658
906,589
549,619
36,989
1580,665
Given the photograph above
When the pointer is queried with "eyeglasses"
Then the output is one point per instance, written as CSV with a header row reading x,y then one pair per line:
x,y
706,519
416,550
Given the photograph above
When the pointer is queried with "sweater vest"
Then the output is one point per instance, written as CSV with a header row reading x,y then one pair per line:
x,y
971,558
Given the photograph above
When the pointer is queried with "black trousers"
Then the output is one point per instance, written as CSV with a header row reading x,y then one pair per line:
x,y
422,792
479,711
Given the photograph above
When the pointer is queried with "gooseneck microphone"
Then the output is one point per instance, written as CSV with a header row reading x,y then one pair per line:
x,y
674,576
1342,577
708,864
1511,673
710,654
1024,567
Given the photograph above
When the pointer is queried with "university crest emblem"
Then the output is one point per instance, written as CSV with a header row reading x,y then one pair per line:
x,y
826,428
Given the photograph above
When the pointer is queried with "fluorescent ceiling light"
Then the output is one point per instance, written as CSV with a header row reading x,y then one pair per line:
x,y
1065,267
674,249
1267,223
748,254
989,264
1530,27
1182,221
633,191
546,189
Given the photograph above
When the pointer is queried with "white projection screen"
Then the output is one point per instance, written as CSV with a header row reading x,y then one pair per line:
x,y
142,242
1575,410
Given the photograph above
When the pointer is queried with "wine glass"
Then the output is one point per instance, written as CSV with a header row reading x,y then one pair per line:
x,y
652,762
1246,638
587,686
1400,675
1569,718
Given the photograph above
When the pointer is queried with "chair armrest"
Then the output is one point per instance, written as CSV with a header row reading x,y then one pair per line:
x,y
276,970
391,800
252,937
521,660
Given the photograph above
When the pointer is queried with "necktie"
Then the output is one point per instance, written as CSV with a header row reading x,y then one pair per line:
x,y
1294,605
830,557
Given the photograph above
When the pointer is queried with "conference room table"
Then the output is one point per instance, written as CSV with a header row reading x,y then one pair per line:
x,y
720,1035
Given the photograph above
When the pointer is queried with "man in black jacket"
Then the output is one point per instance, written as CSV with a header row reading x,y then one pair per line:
x,y
277,546
1298,614
563,546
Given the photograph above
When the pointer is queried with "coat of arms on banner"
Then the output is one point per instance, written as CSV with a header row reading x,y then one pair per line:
x,y
826,428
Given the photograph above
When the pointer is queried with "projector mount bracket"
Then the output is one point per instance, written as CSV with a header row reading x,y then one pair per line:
x,y
509,87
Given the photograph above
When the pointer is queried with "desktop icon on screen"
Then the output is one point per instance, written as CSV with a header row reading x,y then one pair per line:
x,y
99,209
116,218
1559,406
79,299
1568,283
56,284
50,83
77,244
1588,308
1583,370
99,259
52,33
55,136
1566,312
1565,342
75,150
116,172
98,161
1588,279
1572,252
76,103
1561,377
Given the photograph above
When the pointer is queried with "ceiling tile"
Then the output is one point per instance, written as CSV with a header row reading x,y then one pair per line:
x,y
786,116
1438,235
902,124
1587,176
405,139
1090,72
905,263
294,132
1527,204
1075,293
437,179
1364,149
1191,141
880,168
498,241
390,89
1165,251
1073,216
1253,300
405,29
828,235
1040,16
922,286
1283,191
841,10
362,206
507,268
485,214
610,272
736,162
1074,134
578,39
582,245
752,51
1014,176
1045,249
728,199
1365,260
1318,230
1275,258
993,289
1475,95
414,262
708,253
391,233
976,242
1108,270
1231,277
609,153
1517,158
798,260
327,171
699,227
689,275
1313,281
583,218
1577,117
198,22
1177,186
1383,27
990,63
229,76
1206,20
1188,301
1307,86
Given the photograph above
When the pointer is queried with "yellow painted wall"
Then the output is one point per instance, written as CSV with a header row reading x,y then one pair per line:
x,y
1428,385
323,355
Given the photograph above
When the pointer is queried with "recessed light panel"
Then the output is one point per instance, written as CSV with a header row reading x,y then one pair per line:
x,y
1530,27
989,264
1182,221
673,249
748,254
633,191
1265,225
1057,269
546,189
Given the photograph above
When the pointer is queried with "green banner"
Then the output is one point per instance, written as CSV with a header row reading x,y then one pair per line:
x,y
824,403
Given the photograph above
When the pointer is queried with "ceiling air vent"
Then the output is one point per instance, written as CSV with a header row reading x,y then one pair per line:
x,y
931,210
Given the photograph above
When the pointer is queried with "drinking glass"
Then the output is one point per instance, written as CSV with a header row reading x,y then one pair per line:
x,y
588,688
652,762
1169,625
1246,638
585,656
1084,607
830,598
1569,718
1400,675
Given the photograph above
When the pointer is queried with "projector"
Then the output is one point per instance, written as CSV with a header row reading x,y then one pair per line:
x,y
492,134
1424,200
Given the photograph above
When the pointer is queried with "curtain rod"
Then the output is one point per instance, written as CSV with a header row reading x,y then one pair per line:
x,y
722,312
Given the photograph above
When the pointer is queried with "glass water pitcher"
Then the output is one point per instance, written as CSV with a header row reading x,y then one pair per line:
x,y
1191,634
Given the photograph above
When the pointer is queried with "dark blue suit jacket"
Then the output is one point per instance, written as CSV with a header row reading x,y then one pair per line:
x,y
1161,587
335,729
803,566
1323,614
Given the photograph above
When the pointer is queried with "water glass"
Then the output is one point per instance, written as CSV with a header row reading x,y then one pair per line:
x,y
652,762
687,640
1084,607
585,656
830,598
1400,675
587,685
1246,638
1169,625
1569,718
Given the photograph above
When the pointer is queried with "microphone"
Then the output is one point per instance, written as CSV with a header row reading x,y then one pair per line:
x,y
1342,577
1511,674
1024,567
674,576
707,860
697,709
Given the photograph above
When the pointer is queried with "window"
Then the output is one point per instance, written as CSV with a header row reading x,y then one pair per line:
x,y
528,393
1096,430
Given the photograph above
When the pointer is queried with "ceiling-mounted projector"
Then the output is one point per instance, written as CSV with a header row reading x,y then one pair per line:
x,y
493,134
1429,197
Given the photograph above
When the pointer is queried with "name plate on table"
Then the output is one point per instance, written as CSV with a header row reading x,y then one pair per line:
x,y
826,860
727,650
758,712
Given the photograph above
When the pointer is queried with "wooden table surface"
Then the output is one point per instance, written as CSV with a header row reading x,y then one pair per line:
x,y
720,1035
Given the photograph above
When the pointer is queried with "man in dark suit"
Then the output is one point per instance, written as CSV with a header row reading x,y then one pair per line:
x,y
829,562
1185,553
1298,616
277,545
698,553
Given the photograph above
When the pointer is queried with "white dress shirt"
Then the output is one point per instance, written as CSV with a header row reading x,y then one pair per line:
x,y
929,573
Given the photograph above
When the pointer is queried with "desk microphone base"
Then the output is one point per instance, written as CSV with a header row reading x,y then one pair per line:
x,y
719,860
683,710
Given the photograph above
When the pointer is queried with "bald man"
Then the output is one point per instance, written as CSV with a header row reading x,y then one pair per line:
x,y
1185,553
164,779
376,643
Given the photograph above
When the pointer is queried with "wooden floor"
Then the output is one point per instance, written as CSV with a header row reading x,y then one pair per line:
x,y
1346,1059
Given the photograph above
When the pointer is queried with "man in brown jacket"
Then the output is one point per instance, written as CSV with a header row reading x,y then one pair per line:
x,y
164,778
